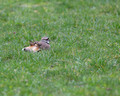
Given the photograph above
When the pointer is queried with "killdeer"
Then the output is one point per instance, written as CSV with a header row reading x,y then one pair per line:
x,y
36,46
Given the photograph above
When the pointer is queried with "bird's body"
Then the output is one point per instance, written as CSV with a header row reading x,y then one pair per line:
x,y
43,45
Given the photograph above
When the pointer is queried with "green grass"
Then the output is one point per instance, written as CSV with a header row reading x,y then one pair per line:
x,y
84,59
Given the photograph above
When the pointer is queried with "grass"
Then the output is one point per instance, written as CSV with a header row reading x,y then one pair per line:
x,y
84,59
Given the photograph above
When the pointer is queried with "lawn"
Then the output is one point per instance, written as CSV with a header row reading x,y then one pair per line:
x,y
84,59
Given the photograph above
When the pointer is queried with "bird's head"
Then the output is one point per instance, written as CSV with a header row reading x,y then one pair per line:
x,y
45,39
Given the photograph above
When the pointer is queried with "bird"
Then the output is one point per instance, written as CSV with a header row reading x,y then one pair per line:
x,y
37,46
